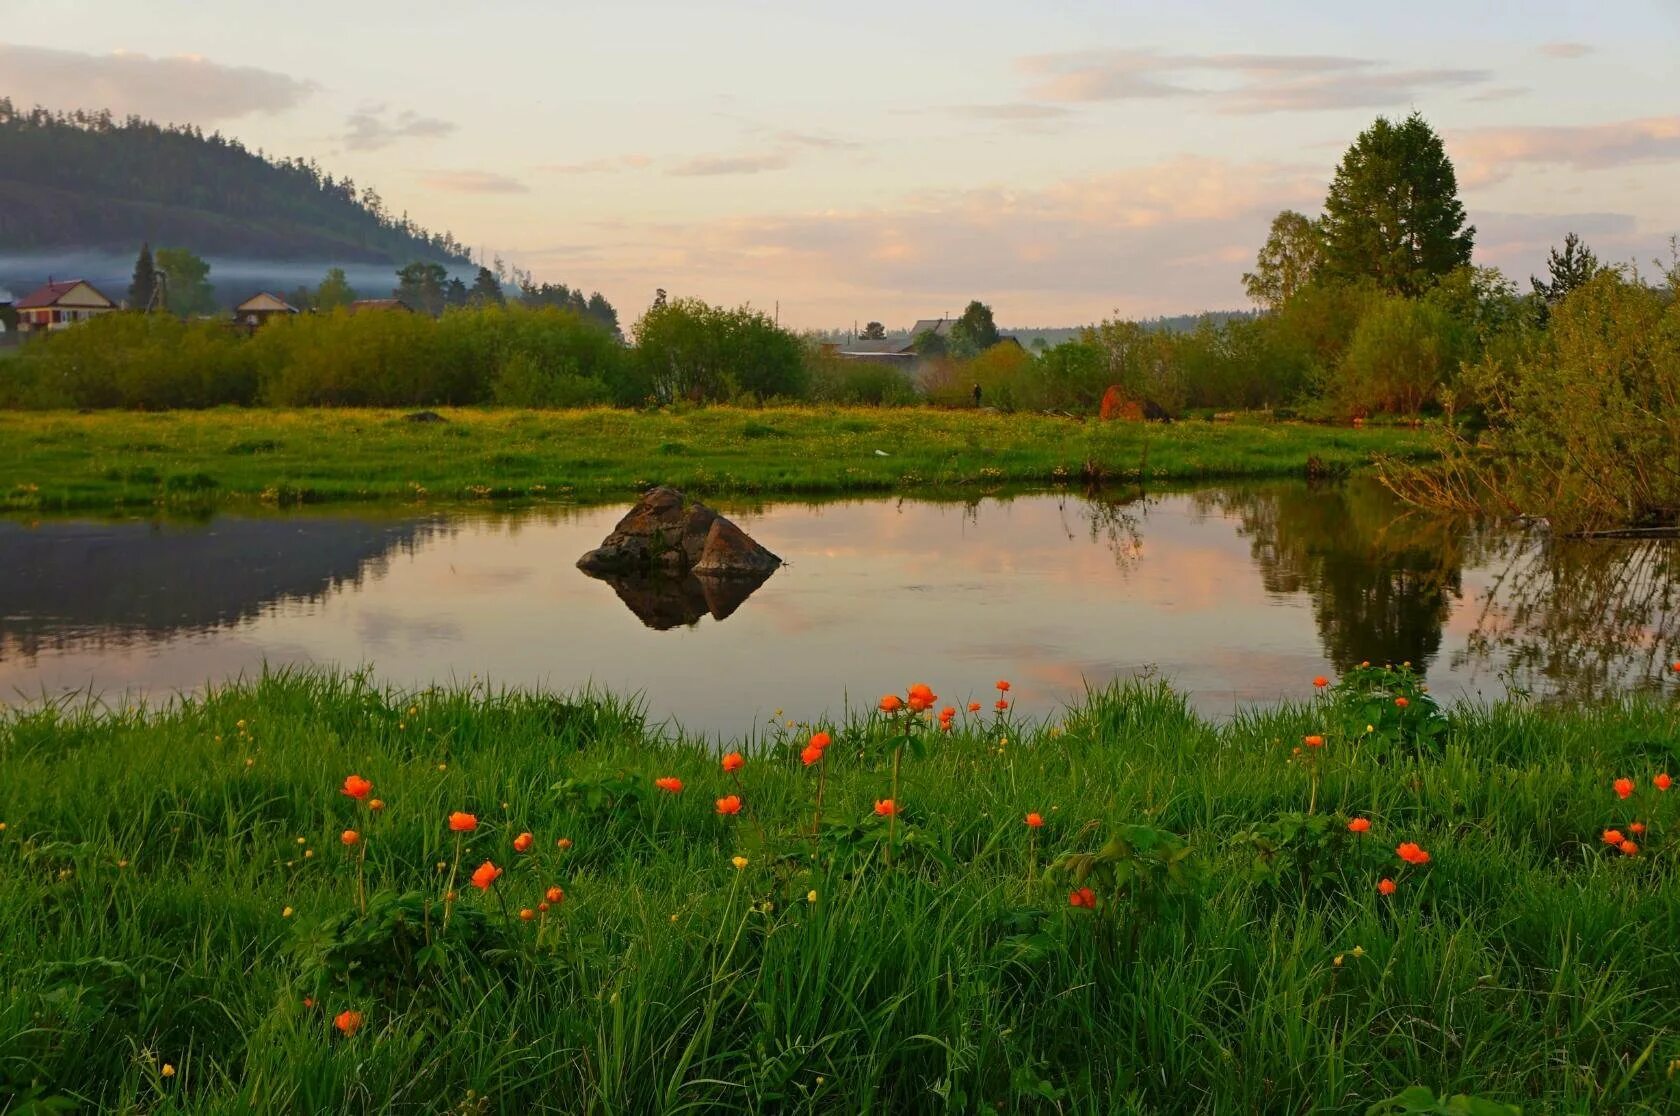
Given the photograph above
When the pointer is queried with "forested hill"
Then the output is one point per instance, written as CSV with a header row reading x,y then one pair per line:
x,y
89,181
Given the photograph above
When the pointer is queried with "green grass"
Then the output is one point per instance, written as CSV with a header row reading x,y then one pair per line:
x,y
60,461
149,859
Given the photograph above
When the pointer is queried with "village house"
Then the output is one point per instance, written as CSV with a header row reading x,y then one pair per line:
x,y
901,351
60,304
259,308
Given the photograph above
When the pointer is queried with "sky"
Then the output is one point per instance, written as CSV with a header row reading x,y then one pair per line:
x,y
1063,162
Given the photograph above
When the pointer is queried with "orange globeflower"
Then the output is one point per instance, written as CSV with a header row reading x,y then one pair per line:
x,y
554,895
890,703
563,844
485,875
821,740
1321,681
921,694
947,713
974,707
1629,848
1611,837
811,754
1034,820
729,804
356,787
1637,829
733,762
1359,825
1084,897
885,808
1313,741
669,783
462,823
348,1022
1662,782
349,836
1002,705
1003,685
376,804
527,914
1624,787
1411,853
1388,886
523,843
1401,703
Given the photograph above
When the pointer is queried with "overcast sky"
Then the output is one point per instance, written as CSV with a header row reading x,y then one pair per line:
x,y
1061,161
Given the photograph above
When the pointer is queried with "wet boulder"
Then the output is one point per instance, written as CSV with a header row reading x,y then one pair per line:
x,y
666,533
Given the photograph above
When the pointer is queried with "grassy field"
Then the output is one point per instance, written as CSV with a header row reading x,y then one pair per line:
x,y
60,461
183,925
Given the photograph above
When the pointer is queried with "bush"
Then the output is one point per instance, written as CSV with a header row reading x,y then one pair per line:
x,y
139,361
1403,352
689,350
846,382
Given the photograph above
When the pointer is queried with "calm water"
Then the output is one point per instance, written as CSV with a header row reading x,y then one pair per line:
x,y
1237,595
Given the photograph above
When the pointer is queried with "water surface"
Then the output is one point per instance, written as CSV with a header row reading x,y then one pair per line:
x,y
1236,594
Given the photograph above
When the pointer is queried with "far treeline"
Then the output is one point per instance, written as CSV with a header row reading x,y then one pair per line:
x,y
1372,309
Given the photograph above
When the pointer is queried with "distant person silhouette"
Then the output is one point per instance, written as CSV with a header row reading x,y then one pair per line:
x,y
977,395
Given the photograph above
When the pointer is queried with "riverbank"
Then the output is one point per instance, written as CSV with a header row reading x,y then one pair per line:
x,y
182,895
225,458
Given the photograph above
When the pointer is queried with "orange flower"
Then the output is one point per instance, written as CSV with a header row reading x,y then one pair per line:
x,y
523,843
890,703
1624,787
527,914
485,875
349,836
1034,821
348,1022
543,907
1411,853
1628,848
1662,782
1002,705
563,843
1003,685
1387,886
821,740
1637,829
1084,897
1401,703
1313,741
1321,681
356,787
974,707
811,754
733,762
1359,825
376,804
555,895
885,808
917,705
669,783
729,804
924,691
462,823
947,713
1611,837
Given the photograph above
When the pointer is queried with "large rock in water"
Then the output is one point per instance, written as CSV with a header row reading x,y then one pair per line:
x,y
669,534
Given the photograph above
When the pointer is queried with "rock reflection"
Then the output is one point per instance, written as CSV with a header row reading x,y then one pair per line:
x,y
663,603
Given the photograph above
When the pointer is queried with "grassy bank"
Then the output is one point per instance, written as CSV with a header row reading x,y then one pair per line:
x,y
57,460
182,926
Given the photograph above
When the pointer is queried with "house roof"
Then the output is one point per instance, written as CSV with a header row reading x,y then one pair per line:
x,y
884,345
940,326
265,301
49,294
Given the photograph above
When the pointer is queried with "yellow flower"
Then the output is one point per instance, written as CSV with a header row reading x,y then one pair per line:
x,y
739,861
811,896
287,913
1359,951
307,853
303,840
443,767
168,1070
1337,961
673,918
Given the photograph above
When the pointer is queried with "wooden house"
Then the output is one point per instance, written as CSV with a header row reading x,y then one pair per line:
x,y
260,307
58,305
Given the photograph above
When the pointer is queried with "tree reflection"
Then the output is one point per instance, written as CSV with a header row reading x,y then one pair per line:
x,y
1382,581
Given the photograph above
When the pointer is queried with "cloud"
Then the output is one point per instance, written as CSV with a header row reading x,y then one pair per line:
x,y
611,164
820,140
374,127
1517,243
180,89
1013,112
1490,155
708,165
1234,83
473,182
1565,50
1499,93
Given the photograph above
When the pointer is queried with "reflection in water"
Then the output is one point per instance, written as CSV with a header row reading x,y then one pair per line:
x,y
1235,594
666,602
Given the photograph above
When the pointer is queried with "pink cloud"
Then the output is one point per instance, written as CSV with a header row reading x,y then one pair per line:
x,y
1490,155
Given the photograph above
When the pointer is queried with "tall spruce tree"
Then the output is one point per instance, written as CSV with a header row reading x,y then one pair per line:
x,y
1393,214
143,289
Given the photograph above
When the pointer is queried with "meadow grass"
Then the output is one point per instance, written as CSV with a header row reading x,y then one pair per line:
x,y
175,892
207,459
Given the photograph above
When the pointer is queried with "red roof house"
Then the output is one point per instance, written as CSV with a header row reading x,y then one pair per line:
x,y
58,305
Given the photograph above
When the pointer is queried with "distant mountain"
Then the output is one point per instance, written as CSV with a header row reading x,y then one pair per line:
x,y
88,182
